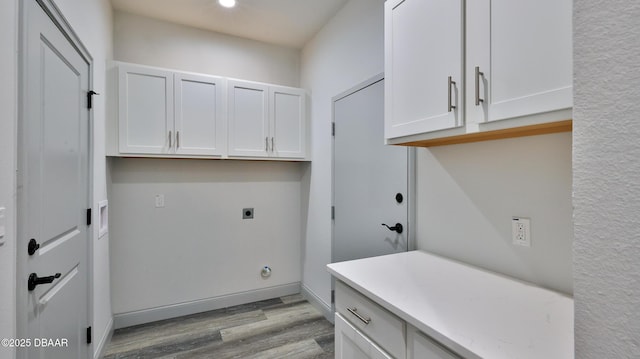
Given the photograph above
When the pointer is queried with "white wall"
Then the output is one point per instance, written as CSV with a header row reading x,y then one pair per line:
x,y
467,195
198,246
158,43
606,179
8,125
198,243
92,22
347,51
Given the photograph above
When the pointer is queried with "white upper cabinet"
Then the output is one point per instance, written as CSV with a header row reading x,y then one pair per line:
x,y
423,66
145,110
522,51
200,125
166,113
288,127
511,62
248,119
266,121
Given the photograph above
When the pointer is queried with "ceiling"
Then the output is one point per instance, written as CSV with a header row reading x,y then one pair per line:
x,y
283,22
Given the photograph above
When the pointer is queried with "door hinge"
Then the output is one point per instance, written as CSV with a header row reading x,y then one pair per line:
x,y
333,212
333,296
90,98
89,335
333,129
88,216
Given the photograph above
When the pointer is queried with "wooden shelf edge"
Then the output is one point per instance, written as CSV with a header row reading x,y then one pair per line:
x,y
531,130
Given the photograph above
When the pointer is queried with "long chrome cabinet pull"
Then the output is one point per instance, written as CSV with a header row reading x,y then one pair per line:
x,y
177,139
273,145
354,311
169,139
478,75
451,84
266,144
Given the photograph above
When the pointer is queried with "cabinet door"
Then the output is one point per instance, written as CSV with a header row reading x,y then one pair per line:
x,y
419,346
423,48
248,119
145,110
288,125
199,115
524,50
352,344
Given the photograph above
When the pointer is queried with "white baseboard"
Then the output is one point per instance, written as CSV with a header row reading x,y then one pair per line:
x,y
318,303
101,347
124,320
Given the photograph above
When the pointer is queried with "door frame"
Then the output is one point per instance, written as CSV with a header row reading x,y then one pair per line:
x,y
411,175
55,14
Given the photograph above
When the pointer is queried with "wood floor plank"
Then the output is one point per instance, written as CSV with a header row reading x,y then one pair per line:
x,y
287,327
277,319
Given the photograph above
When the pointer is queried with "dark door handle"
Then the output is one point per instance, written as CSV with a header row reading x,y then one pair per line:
x,y
34,280
32,247
397,228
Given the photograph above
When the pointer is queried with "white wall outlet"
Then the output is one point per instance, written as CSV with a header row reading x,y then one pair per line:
x,y
159,201
521,229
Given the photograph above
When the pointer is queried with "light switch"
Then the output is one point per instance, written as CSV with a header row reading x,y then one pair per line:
x,y
2,225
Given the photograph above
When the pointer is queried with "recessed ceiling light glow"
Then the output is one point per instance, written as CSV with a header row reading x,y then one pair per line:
x,y
227,3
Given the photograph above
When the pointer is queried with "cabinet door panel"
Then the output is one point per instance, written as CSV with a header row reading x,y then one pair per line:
x,y
248,119
145,110
351,344
419,346
524,49
424,46
287,122
200,125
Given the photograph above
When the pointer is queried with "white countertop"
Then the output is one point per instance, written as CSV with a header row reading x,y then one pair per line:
x,y
476,313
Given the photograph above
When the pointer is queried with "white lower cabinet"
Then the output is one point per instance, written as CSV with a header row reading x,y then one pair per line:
x,y
364,329
419,346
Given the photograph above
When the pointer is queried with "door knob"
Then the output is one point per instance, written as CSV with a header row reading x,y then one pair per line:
x,y
32,247
34,280
397,228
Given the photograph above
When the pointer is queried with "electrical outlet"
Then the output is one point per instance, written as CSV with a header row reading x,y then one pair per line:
x,y
521,229
159,201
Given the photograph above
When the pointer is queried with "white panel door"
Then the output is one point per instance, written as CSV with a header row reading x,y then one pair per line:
x,y
54,194
199,115
423,48
523,49
419,346
352,344
368,175
288,125
248,120
145,110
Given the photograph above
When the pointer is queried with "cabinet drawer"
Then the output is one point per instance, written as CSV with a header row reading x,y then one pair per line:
x,y
382,327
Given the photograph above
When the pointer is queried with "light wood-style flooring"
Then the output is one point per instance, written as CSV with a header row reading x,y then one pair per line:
x,y
286,327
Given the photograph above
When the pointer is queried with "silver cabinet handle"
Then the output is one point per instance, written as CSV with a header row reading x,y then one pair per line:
x,y
273,145
177,139
451,84
266,144
478,75
354,311
169,139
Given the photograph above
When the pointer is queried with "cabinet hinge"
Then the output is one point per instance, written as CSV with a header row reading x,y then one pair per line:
x,y
88,216
90,98
333,129
89,335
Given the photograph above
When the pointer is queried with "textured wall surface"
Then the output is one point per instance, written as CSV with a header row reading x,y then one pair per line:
x,y
606,175
467,195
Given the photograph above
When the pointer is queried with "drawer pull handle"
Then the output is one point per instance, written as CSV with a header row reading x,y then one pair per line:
x,y
354,311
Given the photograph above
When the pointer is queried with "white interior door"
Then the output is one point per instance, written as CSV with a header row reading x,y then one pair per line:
x,y
369,179
54,194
